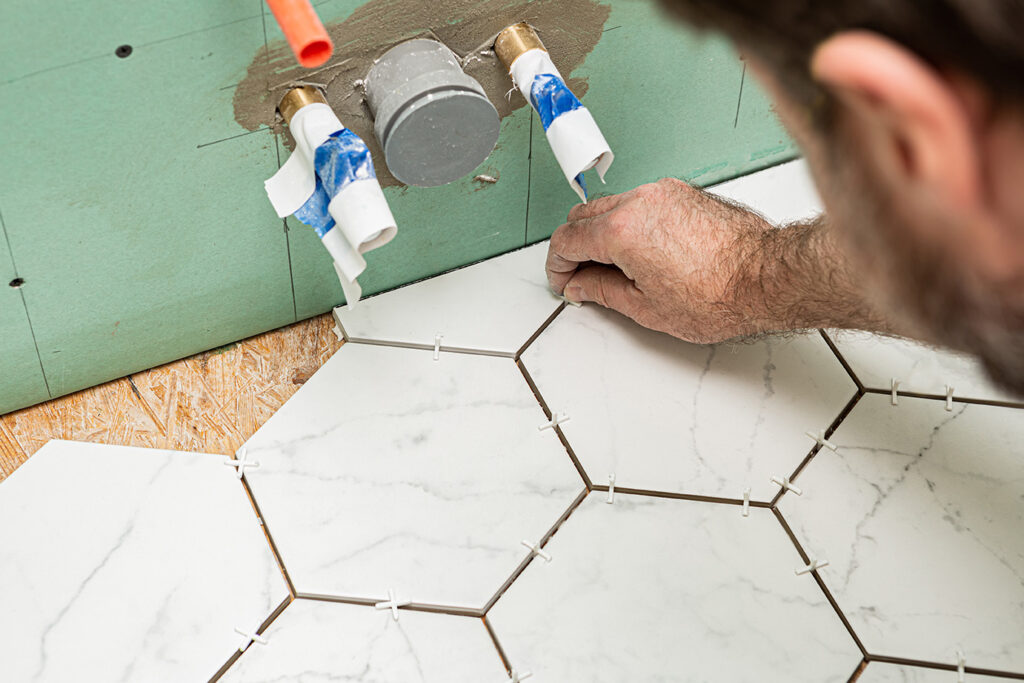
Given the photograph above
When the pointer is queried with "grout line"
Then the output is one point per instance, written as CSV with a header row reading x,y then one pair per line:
x,y
691,497
270,539
859,671
739,100
842,360
821,583
236,655
941,666
284,221
412,607
540,330
497,644
557,429
938,397
425,347
847,409
529,183
529,558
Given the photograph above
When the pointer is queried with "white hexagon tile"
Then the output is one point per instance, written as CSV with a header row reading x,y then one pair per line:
x,y
649,589
664,415
390,470
493,306
920,513
782,194
127,564
918,368
320,641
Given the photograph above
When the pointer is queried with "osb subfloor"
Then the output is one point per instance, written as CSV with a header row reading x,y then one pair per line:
x,y
208,403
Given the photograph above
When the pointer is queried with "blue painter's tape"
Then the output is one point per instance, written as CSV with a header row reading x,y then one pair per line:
x,y
551,98
342,159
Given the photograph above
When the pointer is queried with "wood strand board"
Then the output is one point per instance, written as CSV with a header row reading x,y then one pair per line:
x,y
209,403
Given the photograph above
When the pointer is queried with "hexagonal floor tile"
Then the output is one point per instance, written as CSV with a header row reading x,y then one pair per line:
x,y
920,512
389,470
919,368
493,306
664,415
877,672
324,641
650,589
128,564
782,194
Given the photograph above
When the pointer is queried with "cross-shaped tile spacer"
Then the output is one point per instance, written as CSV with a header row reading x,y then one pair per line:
x,y
517,677
555,421
814,566
611,489
392,604
537,550
240,462
787,485
819,438
249,638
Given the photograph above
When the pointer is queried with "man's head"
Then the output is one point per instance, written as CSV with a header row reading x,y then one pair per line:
x,y
912,117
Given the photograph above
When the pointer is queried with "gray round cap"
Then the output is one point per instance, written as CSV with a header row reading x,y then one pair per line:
x,y
434,122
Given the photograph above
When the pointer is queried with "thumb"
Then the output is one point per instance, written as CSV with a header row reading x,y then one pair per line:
x,y
607,286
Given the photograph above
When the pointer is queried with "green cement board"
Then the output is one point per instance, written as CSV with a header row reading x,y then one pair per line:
x,y
132,203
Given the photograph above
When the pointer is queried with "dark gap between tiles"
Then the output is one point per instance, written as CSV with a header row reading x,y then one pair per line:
x,y
956,399
843,414
556,429
858,671
691,497
531,557
427,347
941,666
540,330
269,537
237,654
821,584
842,361
497,645
412,607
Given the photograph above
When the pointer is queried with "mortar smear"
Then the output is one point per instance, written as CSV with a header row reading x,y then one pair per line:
x,y
569,28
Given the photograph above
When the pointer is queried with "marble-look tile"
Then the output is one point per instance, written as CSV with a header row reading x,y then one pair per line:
x,y
493,306
782,194
389,470
919,368
126,564
650,589
669,416
920,512
321,641
878,672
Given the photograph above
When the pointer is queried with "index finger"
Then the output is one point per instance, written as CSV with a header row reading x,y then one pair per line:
x,y
575,243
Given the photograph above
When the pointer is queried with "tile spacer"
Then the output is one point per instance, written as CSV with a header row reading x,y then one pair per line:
x,y
746,502
611,489
895,391
249,638
961,665
949,398
240,462
814,566
517,677
787,485
555,421
820,439
392,604
437,347
537,550
575,304
338,333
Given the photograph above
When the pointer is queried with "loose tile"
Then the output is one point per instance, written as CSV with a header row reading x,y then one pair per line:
x,y
651,589
918,367
669,416
878,672
336,642
782,194
920,512
127,564
389,470
492,306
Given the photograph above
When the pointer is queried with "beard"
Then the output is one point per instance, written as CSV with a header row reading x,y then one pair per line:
x,y
921,286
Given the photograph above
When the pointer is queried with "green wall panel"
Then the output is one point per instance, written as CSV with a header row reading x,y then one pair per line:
x,y
666,99
21,379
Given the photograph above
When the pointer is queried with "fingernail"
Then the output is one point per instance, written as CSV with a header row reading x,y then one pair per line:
x,y
574,293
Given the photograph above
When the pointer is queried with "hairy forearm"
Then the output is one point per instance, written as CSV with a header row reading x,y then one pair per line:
x,y
799,277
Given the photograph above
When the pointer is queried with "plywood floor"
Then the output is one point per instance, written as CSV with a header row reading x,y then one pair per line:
x,y
208,403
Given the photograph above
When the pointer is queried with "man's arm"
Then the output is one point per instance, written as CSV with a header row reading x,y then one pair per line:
x,y
681,261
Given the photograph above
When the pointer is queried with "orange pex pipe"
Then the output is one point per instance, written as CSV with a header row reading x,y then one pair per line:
x,y
305,33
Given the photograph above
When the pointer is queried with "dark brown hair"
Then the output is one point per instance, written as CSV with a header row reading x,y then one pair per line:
x,y
982,38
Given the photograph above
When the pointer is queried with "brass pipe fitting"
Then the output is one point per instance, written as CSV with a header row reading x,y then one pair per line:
x,y
297,98
514,41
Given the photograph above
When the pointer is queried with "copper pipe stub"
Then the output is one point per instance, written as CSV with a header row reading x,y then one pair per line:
x,y
297,98
514,41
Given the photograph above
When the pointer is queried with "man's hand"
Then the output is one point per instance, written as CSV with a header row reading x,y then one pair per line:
x,y
681,261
